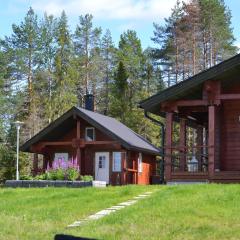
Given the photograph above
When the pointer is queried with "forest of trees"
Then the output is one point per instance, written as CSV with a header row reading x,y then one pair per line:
x,y
45,69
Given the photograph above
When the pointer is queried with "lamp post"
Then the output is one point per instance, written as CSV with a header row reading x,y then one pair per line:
x,y
18,126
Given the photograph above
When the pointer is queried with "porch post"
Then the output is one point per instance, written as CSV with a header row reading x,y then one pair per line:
x,y
35,164
136,173
123,175
78,147
199,150
182,142
211,139
45,162
168,151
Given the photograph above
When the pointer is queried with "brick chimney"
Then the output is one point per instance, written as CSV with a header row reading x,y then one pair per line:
x,y
89,102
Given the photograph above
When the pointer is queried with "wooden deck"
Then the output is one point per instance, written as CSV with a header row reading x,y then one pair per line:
x,y
188,176
218,177
226,177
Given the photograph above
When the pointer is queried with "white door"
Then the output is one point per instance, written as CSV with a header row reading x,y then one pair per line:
x,y
102,166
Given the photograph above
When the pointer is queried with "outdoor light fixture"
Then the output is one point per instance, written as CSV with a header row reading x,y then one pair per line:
x,y
18,125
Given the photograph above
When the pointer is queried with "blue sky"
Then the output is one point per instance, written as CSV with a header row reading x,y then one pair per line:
x,y
117,15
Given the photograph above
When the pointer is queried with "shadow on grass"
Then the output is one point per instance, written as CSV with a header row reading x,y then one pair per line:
x,y
69,237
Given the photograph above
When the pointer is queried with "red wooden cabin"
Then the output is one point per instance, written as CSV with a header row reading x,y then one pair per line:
x,y
202,122
102,146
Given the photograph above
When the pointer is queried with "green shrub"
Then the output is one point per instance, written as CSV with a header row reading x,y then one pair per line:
x,y
60,174
41,177
26,177
51,175
86,178
56,174
72,174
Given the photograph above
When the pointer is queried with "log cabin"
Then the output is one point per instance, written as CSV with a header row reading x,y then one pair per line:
x,y
202,125
102,147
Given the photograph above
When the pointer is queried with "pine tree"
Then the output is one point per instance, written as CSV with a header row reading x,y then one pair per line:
x,y
152,76
216,32
108,53
23,47
120,96
63,96
87,50
130,53
132,88
8,114
48,49
195,37
169,39
3,98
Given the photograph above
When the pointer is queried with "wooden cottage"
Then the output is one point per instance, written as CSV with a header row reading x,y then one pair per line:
x,y
102,146
204,112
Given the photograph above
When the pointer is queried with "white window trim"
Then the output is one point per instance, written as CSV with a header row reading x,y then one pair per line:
x,y
94,135
113,165
140,165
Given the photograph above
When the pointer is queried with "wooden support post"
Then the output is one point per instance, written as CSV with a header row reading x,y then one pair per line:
x,y
199,151
78,129
35,164
211,139
136,174
124,165
78,147
182,142
168,152
45,161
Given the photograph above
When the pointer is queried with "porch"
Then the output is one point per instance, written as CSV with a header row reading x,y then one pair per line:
x,y
203,137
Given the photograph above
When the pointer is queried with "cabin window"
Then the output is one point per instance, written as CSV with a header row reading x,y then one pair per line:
x,y
117,159
140,162
61,157
90,134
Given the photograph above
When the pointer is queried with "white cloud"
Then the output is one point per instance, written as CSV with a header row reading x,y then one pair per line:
x,y
109,9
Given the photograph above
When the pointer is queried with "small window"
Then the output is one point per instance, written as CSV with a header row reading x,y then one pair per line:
x,y
61,157
140,162
60,160
117,159
90,134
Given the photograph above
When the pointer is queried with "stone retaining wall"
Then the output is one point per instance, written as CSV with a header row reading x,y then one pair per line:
x,y
46,183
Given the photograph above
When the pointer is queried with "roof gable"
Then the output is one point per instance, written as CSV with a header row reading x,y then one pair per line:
x,y
110,126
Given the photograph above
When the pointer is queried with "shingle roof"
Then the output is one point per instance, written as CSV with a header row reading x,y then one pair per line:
x,y
110,126
121,131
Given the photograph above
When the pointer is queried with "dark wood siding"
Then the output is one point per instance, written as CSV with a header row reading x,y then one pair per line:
x,y
230,147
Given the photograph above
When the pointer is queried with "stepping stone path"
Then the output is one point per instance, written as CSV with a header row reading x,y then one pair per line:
x,y
110,210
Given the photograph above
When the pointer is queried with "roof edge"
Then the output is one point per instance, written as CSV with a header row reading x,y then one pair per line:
x,y
191,82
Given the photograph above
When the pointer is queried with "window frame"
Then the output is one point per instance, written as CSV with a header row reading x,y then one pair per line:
x,y
86,136
113,162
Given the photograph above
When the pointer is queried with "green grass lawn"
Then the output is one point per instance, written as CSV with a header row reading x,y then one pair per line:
x,y
42,213
172,212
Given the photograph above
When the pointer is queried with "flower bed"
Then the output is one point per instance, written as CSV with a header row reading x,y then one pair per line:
x,y
60,170
60,174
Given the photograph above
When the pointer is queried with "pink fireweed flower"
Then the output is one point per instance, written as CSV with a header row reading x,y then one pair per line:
x,y
48,167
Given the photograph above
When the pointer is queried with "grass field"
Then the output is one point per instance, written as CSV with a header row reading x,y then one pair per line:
x,y
172,212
